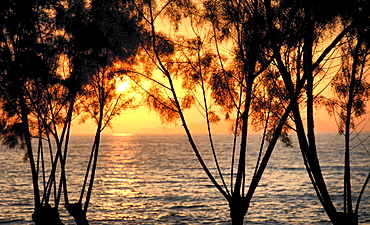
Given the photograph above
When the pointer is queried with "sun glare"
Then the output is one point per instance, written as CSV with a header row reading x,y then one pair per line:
x,y
122,85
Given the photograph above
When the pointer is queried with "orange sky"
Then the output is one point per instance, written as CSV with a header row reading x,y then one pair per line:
x,y
142,121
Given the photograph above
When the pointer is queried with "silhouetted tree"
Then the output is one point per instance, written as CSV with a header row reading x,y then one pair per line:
x,y
103,42
47,64
302,65
101,103
28,60
195,72
352,92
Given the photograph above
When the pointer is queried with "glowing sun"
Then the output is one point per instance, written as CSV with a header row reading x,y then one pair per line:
x,y
122,85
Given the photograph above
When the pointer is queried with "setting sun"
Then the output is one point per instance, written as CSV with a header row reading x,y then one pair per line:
x,y
122,84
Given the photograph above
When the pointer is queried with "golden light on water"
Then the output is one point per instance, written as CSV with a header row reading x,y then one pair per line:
x,y
144,179
121,181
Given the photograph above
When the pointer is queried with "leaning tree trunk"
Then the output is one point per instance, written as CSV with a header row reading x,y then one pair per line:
x,y
43,214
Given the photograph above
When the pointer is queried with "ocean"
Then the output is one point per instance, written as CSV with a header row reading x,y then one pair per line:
x,y
156,179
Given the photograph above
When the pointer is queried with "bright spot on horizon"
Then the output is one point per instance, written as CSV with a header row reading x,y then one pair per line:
x,y
122,134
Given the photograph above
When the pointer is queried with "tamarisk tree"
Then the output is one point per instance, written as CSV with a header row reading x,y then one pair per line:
x,y
235,85
49,71
304,59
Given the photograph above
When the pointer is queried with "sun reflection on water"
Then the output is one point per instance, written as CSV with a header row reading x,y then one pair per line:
x,y
157,180
121,180
150,181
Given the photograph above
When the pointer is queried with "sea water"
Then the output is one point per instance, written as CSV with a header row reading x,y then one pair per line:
x,y
156,179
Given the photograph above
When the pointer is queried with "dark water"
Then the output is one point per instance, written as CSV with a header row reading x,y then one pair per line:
x,y
157,180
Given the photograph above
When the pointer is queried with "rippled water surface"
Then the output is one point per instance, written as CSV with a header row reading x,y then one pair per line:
x,y
144,179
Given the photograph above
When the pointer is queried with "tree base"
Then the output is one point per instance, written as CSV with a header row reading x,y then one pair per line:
x,y
238,209
46,215
347,219
75,210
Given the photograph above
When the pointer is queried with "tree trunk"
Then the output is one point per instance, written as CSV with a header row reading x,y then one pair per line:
x,y
46,215
347,219
237,220
76,211
238,209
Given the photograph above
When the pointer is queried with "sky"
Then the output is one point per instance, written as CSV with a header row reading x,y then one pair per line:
x,y
143,121
139,121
